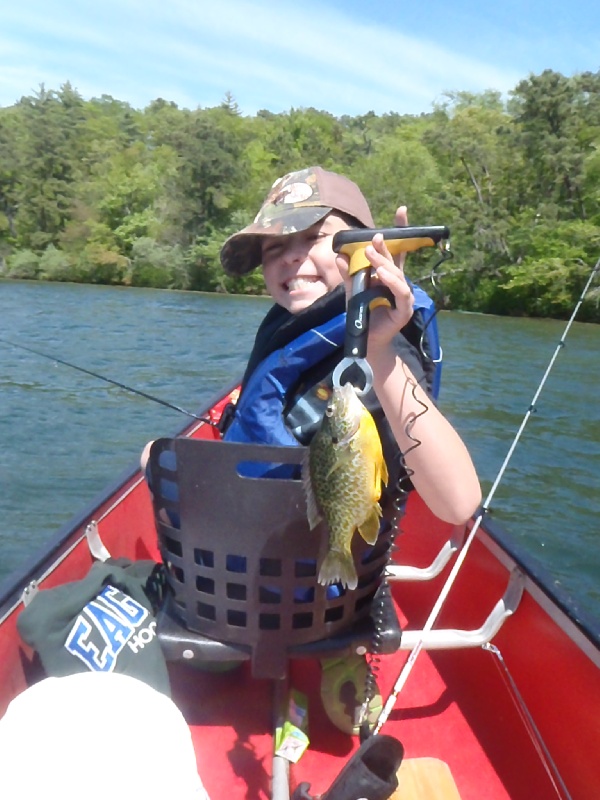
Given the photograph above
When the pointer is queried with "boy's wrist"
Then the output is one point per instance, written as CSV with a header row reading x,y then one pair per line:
x,y
389,368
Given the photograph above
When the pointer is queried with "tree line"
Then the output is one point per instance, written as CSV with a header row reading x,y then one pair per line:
x,y
96,191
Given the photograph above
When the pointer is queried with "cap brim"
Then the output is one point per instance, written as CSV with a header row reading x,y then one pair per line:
x,y
242,252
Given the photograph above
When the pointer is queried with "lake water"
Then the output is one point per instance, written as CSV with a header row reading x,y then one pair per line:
x,y
65,435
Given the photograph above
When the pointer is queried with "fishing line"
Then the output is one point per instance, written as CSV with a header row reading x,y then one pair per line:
x,y
400,496
414,654
120,385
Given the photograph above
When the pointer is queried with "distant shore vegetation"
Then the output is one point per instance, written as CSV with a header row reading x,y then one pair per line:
x,y
95,191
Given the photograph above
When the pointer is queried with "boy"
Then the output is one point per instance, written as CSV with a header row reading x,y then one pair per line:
x,y
291,237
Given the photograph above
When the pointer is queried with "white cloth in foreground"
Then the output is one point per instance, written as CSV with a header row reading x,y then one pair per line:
x,y
96,736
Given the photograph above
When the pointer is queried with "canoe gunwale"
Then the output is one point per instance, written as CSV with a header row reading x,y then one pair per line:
x,y
539,582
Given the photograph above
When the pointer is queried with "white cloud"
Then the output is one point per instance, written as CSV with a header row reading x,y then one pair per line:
x,y
273,56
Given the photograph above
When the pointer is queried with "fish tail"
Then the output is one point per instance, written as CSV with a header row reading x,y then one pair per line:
x,y
338,567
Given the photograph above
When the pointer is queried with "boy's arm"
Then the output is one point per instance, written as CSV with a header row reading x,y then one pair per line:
x,y
439,466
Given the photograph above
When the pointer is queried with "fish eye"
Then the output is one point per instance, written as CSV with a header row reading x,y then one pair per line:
x,y
329,410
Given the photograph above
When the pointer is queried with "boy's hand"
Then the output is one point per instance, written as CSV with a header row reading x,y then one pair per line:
x,y
386,322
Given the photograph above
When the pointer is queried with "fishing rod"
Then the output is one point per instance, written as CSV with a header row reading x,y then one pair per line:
x,y
414,654
120,385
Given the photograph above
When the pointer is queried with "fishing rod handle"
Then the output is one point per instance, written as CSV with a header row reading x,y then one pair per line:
x,y
404,239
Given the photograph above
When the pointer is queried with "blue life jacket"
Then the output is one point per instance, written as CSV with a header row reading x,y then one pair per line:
x,y
259,417
424,308
259,413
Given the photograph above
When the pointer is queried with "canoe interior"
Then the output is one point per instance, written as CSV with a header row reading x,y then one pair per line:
x,y
517,721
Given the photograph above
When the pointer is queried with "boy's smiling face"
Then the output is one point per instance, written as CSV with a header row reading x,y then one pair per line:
x,y
300,267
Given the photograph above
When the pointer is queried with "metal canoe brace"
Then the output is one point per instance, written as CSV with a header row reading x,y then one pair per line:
x,y
363,296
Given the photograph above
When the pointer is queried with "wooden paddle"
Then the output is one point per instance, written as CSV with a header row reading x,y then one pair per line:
x,y
425,779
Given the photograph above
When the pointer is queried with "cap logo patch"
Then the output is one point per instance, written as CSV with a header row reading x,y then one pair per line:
x,y
294,193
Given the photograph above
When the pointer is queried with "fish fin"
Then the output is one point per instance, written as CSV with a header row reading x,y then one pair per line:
x,y
338,567
380,475
312,510
343,456
369,529
384,473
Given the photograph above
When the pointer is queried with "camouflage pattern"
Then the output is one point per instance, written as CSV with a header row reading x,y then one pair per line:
x,y
295,202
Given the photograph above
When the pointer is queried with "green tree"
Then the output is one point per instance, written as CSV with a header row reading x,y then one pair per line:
x,y
209,145
10,170
123,198
158,266
50,153
97,191
24,265
548,110
475,157
55,265
400,170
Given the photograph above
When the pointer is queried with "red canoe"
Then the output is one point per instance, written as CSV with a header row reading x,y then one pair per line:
x,y
503,695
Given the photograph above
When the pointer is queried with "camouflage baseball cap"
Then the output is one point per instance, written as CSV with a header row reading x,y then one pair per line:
x,y
295,202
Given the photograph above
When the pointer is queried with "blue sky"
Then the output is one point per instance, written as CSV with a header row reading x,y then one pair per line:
x,y
279,54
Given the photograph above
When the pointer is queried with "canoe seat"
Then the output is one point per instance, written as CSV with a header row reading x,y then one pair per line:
x,y
425,779
242,563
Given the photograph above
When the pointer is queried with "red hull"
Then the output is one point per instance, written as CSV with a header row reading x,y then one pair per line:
x,y
518,720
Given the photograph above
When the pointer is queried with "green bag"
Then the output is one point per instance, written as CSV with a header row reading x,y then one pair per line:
x,y
104,622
